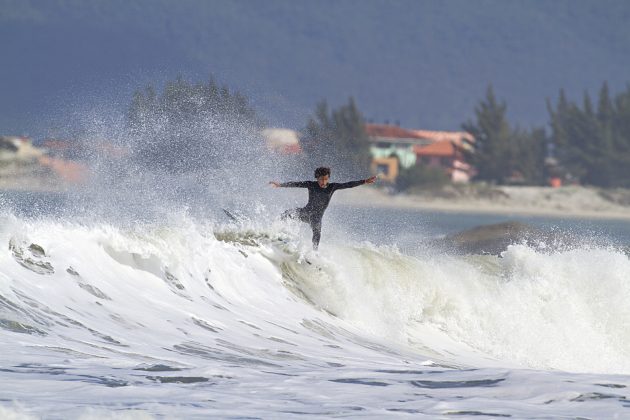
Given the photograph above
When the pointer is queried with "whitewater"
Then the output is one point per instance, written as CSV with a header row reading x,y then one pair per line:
x,y
190,317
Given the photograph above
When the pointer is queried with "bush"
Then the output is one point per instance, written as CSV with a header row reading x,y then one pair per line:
x,y
421,176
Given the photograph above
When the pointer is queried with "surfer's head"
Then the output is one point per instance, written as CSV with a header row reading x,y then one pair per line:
x,y
323,175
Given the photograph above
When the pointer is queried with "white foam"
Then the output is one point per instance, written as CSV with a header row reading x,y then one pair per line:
x,y
252,309
15,413
559,310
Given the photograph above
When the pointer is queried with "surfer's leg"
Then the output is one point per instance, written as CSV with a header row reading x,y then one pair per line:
x,y
316,226
305,216
290,214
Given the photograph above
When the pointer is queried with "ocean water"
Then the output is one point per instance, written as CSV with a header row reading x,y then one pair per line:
x,y
199,317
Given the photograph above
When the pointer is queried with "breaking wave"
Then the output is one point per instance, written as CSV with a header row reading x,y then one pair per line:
x,y
167,295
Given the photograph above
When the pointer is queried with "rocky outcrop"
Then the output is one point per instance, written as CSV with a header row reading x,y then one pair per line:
x,y
494,239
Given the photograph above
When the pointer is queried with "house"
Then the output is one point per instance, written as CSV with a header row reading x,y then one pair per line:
x,y
449,155
394,148
80,150
18,149
386,167
29,166
461,139
392,141
55,147
67,170
282,140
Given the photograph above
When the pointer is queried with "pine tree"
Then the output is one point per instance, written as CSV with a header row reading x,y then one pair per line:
x,y
337,138
594,144
189,127
502,152
492,134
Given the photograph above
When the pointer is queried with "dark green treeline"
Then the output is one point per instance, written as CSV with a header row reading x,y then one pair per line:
x,y
586,143
191,126
337,138
593,141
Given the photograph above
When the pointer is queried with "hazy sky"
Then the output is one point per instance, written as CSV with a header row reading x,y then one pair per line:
x,y
423,63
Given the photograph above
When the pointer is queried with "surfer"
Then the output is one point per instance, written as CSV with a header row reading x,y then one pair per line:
x,y
319,194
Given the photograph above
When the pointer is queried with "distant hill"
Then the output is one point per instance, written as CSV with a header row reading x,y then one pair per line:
x,y
423,63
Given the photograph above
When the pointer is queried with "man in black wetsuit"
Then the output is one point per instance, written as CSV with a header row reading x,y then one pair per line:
x,y
319,194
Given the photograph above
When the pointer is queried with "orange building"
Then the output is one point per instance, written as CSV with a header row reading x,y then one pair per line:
x,y
282,140
393,148
446,154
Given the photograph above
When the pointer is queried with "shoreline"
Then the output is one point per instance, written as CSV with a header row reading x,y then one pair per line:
x,y
564,203
573,203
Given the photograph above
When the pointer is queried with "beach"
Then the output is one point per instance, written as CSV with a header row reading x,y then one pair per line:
x,y
570,201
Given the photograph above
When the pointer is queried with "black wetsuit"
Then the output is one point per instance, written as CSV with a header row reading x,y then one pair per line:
x,y
318,199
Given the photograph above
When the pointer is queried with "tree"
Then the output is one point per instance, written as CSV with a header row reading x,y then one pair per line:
x,y
501,151
190,127
421,176
491,132
337,139
594,144
527,155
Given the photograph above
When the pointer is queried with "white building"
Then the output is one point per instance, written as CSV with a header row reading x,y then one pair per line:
x,y
18,149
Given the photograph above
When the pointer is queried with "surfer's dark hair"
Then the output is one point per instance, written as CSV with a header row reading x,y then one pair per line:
x,y
321,171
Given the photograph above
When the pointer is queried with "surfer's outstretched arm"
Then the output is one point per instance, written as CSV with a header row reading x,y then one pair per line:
x,y
353,184
293,184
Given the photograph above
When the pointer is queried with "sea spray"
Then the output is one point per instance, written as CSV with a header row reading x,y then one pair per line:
x,y
547,310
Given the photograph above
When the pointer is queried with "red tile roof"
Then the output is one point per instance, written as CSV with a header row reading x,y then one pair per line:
x,y
66,169
291,149
390,131
442,148
453,136
459,138
56,144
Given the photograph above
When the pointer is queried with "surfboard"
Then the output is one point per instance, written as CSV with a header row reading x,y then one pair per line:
x,y
234,216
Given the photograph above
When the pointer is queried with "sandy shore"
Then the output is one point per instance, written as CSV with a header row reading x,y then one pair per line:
x,y
570,202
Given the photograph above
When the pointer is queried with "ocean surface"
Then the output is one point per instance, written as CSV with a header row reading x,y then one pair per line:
x,y
197,316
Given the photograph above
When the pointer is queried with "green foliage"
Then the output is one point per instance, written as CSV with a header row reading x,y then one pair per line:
x,y
188,126
502,152
492,134
527,155
421,176
594,144
337,139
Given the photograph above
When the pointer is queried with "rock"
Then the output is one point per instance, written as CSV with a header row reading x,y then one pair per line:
x,y
494,239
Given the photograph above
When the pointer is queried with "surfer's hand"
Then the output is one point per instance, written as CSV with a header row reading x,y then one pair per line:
x,y
371,180
274,184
